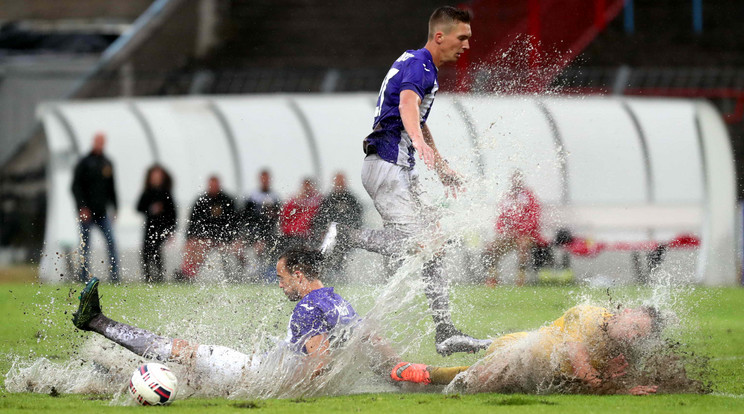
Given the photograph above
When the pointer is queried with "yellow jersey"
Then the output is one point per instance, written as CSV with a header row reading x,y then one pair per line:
x,y
583,323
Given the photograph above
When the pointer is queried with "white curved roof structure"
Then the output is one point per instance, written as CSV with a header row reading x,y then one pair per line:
x,y
611,169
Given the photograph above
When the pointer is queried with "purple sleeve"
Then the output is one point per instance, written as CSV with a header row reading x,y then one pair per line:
x,y
414,78
307,324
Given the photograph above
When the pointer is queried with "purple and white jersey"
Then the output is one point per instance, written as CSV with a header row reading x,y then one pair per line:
x,y
320,311
414,70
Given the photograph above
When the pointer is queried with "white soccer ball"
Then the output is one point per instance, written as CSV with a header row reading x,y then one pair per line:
x,y
153,384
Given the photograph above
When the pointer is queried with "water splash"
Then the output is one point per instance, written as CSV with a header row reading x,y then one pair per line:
x,y
395,311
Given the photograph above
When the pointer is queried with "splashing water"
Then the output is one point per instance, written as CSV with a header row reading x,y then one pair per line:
x,y
396,312
100,366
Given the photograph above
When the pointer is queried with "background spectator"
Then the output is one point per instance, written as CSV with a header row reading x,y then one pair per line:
x,y
297,216
517,227
340,206
94,190
156,203
213,224
261,220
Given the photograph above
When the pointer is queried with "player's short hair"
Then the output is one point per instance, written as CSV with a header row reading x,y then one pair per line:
x,y
306,261
446,15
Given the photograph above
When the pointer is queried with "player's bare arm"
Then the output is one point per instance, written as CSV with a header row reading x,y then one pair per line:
x,y
423,141
449,177
317,345
581,365
317,352
409,114
599,381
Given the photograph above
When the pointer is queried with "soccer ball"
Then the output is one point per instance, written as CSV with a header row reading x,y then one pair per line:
x,y
153,384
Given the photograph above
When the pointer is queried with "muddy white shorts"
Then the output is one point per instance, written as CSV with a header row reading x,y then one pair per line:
x,y
223,366
396,194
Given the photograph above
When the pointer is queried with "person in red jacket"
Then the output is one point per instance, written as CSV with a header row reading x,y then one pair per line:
x,y
517,227
296,217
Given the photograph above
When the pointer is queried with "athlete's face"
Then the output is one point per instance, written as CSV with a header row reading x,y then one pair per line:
x,y
455,42
629,325
290,282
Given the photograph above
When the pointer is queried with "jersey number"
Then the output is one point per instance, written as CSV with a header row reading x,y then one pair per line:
x,y
381,97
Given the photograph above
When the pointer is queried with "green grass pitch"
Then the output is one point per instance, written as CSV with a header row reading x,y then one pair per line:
x,y
36,323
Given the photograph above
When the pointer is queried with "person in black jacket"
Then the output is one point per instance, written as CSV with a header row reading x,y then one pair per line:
x,y
261,221
214,223
340,206
156,203
94,190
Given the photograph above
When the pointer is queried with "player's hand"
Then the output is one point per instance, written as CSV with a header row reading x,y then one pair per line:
x,y
84,214
616,367
156,208
643,390
452,180
424,152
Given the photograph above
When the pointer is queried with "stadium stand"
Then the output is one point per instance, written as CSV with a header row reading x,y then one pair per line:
x,y
664,56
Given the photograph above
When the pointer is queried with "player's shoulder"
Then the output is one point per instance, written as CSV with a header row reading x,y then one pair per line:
x,y
317,296
406,56
413,56
306,310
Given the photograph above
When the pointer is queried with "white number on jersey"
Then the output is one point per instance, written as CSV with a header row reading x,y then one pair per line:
x,y
381,97
405,56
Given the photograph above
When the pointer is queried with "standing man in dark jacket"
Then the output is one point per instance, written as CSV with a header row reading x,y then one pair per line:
x,y
340,206
94,190
214,224
156,203
261,221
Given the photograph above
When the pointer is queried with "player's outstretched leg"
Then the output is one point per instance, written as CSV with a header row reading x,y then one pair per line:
x,y
221,365
391,242
406,371
387,242
425,374
89,317
448,338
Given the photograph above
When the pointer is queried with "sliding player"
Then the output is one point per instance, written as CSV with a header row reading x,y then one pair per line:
x,y
584,349
319,321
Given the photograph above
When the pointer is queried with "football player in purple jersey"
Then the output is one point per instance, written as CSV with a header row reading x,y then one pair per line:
x,y
388,173
320,320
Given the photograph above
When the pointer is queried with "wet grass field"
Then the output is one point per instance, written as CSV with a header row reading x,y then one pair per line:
x,y
36,323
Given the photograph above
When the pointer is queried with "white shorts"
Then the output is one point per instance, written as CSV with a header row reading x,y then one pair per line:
x,y
222,366
396,193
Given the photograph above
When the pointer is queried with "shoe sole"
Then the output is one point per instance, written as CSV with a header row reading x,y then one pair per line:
x,y
329,240
85,296
461,343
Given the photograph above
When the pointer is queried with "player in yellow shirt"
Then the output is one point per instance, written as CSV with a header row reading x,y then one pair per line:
x,y
583,350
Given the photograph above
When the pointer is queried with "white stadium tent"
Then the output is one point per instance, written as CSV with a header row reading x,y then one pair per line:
x,y
610,169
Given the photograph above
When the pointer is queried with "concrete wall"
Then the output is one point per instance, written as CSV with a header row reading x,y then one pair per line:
x,y
24,84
